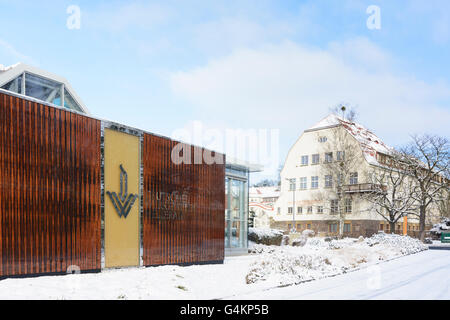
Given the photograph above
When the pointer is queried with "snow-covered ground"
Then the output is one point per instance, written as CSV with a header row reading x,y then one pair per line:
x,y
243,276
421,276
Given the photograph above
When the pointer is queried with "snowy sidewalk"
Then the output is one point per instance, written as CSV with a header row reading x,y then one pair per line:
x,y
243,276
423,275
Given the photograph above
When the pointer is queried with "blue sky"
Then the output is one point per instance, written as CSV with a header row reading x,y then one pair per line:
x,y
160,66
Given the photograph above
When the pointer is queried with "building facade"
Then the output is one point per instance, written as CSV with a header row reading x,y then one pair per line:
x,y
237,175
78,193
261,205
326,178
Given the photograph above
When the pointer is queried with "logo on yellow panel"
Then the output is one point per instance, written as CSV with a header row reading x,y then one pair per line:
x,y
124,201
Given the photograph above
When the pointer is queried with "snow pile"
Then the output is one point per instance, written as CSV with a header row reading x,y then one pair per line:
x,y
265,232
405,244
284,268
308,233
318,258
265,236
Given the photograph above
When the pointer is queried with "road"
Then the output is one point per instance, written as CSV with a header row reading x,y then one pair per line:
x,y
424,275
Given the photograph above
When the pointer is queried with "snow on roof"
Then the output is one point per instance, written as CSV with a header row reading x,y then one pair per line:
x,y
3,68
369,142
263,192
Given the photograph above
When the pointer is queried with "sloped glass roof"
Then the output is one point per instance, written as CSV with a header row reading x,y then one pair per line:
x,y
44,89
14,85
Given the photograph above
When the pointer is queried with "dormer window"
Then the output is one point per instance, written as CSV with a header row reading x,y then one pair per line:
x,y
322,139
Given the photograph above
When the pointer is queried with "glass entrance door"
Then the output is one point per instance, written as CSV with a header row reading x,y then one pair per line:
x,y
236,214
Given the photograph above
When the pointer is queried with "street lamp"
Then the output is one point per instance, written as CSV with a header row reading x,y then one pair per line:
x,y
293,202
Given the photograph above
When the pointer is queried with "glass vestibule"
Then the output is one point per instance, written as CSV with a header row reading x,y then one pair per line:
x,y
43,89
236,215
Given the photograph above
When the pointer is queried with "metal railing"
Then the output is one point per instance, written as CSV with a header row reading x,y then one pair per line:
x,y
362,187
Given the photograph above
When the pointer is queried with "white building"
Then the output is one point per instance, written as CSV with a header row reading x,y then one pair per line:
x,y
261,203
308,198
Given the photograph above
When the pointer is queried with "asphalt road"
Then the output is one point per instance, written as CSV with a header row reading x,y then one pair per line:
x,y
425,275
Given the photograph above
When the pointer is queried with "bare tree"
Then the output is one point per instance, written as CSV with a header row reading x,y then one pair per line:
x,y
346,111
427,161
339,168
391,194
444,207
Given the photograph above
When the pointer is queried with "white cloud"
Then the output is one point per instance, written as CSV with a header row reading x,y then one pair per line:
x,y
289,86
9,52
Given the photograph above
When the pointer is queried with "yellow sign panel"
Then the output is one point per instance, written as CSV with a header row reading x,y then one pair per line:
x,y
122,159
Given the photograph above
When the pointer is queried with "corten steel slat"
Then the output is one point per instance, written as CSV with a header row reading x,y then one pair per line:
x,y
7,265
72,185
18,198
49,189
25,179
46,208
2,143
81,186
64,203
41,192
12,225
194,237
77,190
159,152
4,187
15,220
32,182
50,198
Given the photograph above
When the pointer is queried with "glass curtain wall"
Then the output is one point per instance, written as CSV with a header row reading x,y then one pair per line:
x,y
236,215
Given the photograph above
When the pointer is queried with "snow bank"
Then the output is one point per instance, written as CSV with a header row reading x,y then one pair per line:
x,y
318,258
265,232
405,244
265,236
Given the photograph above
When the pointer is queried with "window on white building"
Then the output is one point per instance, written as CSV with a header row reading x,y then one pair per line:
x,y
314,182
348,205
340,179
354,178
292,184
340,155
305,160
328,157
332,228
328,181
347,227
334,206
315,158
303,183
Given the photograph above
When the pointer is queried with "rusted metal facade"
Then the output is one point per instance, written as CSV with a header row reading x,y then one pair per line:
x,y
51,195
49,189
183,218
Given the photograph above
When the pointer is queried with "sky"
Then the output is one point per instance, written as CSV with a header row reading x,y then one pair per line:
x,y
198,70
